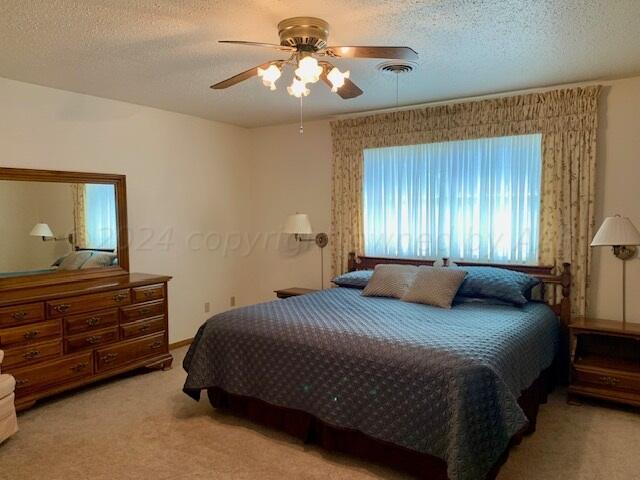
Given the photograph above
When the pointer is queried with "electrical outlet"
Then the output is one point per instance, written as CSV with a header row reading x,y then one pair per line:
x,y
232,301
207,307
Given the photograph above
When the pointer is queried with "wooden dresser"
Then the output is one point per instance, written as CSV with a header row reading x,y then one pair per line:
x,y
57,337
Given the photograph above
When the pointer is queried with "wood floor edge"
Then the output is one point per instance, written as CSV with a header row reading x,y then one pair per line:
x,y
181,343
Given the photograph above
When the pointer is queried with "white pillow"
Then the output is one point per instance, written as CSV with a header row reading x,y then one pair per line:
x,y
390,280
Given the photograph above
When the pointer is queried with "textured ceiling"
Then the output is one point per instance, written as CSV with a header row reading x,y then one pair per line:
x,y
164,53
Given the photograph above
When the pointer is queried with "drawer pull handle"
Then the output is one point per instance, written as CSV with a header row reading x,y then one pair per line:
x,y
31,354
31,334
109,357
155,345
609,380
93,339
144,328
79,367
63,307
19,315
93,321
149,293
21,382
145,311
119,297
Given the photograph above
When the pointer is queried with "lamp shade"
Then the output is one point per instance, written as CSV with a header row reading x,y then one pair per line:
x,y
616,231
298,223
41,230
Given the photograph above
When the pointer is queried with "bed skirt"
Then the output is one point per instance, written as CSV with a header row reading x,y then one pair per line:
x,y
310,429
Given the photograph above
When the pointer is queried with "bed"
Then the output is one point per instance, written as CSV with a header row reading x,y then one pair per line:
x,y
439,393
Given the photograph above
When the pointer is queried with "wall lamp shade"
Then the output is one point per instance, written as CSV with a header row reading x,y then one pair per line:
x,y
298,224
616,231
41,230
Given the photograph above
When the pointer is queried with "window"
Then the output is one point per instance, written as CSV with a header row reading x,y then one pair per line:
x,y
473,200
100,216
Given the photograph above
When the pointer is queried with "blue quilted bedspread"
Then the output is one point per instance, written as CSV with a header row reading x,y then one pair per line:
x,y
442,382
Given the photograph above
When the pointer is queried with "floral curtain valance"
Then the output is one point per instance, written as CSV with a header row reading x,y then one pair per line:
x,y
567,120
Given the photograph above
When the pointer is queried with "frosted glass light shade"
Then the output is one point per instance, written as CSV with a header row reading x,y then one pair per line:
x,y
41,230
298,224
616,231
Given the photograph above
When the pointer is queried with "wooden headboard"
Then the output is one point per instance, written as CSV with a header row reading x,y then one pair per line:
x,y
556,288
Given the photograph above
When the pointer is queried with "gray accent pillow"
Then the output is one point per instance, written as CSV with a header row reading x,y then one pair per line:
x,y
99,260
435,286
74,260
390,280
357,279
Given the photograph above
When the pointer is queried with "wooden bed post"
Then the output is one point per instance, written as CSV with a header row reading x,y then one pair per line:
x,y
351,265
565,303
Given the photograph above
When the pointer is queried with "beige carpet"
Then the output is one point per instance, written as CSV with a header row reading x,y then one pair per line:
x,y
144,427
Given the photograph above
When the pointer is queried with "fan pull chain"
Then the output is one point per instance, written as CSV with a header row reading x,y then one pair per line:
x,y
301,126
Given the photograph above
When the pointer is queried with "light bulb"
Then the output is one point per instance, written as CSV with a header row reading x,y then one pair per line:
x,y
298,88
308,70
269,76
336,77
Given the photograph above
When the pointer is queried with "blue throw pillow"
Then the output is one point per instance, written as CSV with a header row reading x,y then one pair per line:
x,y
357,279
499,283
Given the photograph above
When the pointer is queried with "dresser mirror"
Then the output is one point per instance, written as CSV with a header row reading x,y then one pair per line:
x,y
60,226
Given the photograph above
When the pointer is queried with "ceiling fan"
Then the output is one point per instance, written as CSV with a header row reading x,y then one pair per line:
x,y
305,39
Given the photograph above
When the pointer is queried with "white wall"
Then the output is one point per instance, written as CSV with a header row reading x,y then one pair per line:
x,y
293,172
290,173
184,175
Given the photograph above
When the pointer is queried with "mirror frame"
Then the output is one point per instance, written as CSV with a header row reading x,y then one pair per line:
x,y
120,184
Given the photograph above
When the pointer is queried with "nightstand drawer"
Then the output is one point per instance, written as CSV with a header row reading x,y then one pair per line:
x,y
610,379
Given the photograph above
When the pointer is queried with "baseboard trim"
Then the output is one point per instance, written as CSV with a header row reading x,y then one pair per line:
x,y
181,343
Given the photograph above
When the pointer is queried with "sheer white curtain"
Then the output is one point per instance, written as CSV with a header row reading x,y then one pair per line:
x,y
470,199
100,216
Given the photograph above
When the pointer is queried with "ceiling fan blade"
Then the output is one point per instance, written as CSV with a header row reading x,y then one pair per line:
x,y
397,53
241,77
346,91
284,48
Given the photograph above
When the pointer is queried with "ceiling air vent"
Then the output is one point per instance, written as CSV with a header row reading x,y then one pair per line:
x,y
397,67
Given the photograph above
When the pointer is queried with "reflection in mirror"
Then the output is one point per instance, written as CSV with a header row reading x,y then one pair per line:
x,y
46,227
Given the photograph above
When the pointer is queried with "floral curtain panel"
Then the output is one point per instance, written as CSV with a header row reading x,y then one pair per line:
x,y
567,120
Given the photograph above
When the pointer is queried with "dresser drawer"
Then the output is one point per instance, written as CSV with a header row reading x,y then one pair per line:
x,y
130,351
143,310
53,373
83,341
88,303
142,327
610,379
146,294
21,314
30,333
91,321
32,353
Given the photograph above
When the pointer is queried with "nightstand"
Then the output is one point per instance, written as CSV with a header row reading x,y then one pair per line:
x,y
605,360
293,292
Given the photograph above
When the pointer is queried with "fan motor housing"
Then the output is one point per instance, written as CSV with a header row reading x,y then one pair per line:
x,y
304,33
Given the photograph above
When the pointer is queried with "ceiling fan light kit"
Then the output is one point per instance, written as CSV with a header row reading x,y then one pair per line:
x,y
305,39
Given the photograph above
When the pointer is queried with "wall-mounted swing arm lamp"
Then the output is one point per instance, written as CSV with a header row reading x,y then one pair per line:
x,y
43,230
620,234
299,226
